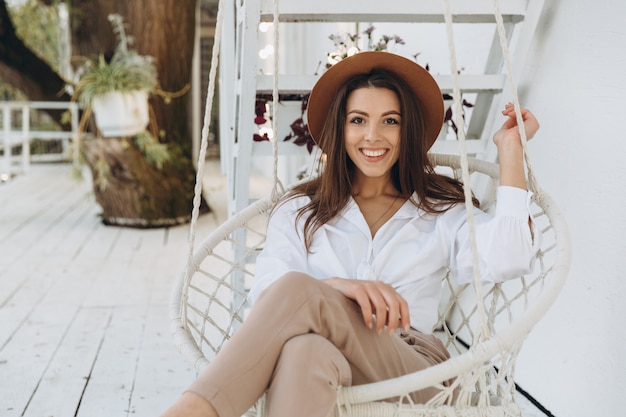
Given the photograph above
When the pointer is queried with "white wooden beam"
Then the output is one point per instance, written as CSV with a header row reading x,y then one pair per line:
x,y
300,84
473,147
423,11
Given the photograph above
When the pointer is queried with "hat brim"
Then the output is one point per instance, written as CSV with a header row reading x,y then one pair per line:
x,y
421,83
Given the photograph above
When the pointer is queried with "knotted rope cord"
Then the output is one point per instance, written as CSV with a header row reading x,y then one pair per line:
x,y
278,188
197,198
483,332
532,182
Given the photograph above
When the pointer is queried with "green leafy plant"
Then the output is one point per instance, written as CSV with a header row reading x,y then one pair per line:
x,y
156,153
125,71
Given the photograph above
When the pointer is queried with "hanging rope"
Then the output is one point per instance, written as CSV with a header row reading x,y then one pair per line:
x,y
532,183
277,189
483,331
195,212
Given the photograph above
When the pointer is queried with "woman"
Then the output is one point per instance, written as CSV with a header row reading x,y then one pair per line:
x,y
346,290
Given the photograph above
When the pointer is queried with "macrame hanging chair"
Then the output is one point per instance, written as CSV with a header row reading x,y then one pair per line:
x,y
482,325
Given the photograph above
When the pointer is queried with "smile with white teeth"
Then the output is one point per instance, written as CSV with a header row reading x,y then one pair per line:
x,y
373,154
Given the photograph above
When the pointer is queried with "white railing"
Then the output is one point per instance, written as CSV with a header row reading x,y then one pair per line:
x,y
21,137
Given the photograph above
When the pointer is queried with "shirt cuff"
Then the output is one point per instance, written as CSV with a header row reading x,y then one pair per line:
x,y
513,202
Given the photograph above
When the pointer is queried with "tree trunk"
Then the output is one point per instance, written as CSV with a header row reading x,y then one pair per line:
x,y
137,194
133,192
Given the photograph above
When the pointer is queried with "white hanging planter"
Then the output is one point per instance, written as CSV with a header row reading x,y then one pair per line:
x,y
121,113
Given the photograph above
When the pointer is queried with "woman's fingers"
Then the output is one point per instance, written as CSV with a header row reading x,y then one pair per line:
x,y
531,125
380,303
390,309
405,315
360,295
510,131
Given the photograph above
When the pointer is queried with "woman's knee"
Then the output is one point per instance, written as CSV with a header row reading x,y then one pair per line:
x,y
292,284
312,353
306,346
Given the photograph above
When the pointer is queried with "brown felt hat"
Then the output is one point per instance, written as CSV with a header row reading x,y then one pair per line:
x,y
418,79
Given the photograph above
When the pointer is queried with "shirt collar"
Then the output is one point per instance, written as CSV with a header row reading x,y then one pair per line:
x,y
407,210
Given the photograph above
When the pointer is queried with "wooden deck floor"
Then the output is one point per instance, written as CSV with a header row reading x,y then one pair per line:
x,y
84,328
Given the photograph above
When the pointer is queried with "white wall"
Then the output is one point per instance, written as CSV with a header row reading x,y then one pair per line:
x,y
574,361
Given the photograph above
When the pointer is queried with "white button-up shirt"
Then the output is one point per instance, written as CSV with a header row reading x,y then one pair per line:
x,y
412,251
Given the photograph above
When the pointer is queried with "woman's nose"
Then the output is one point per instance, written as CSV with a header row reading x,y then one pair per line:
x,y
371,133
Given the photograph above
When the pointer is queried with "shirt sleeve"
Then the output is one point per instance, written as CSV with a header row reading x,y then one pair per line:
x,y
284,249
507,243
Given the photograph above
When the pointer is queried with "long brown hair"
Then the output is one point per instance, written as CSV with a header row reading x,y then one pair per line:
x,y
413,173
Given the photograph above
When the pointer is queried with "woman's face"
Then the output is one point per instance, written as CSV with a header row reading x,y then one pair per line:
x,y
372,130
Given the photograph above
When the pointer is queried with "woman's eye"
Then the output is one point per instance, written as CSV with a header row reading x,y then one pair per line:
x,y
392,121
356,120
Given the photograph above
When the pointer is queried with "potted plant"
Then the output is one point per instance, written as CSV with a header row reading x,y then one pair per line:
x,y
117,90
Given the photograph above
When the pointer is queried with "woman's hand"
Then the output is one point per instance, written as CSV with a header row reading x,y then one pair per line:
x,y
510,132
510,151
376,299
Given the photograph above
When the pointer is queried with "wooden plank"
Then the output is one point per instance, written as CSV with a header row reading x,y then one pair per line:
x,y
22,186
19,305
110,386
473,146
117,277
168,262
26,197
146,268
50,237
23,285
469,83
28,353
36,197
422,11
60,390
46,305
162,374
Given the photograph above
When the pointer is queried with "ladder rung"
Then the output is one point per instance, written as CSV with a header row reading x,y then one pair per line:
x,y
300,84
473,146
424,11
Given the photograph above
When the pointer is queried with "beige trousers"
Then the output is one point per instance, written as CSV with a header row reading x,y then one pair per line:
x,y
300,342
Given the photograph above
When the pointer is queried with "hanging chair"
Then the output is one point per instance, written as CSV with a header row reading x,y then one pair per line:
x,y
482,325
